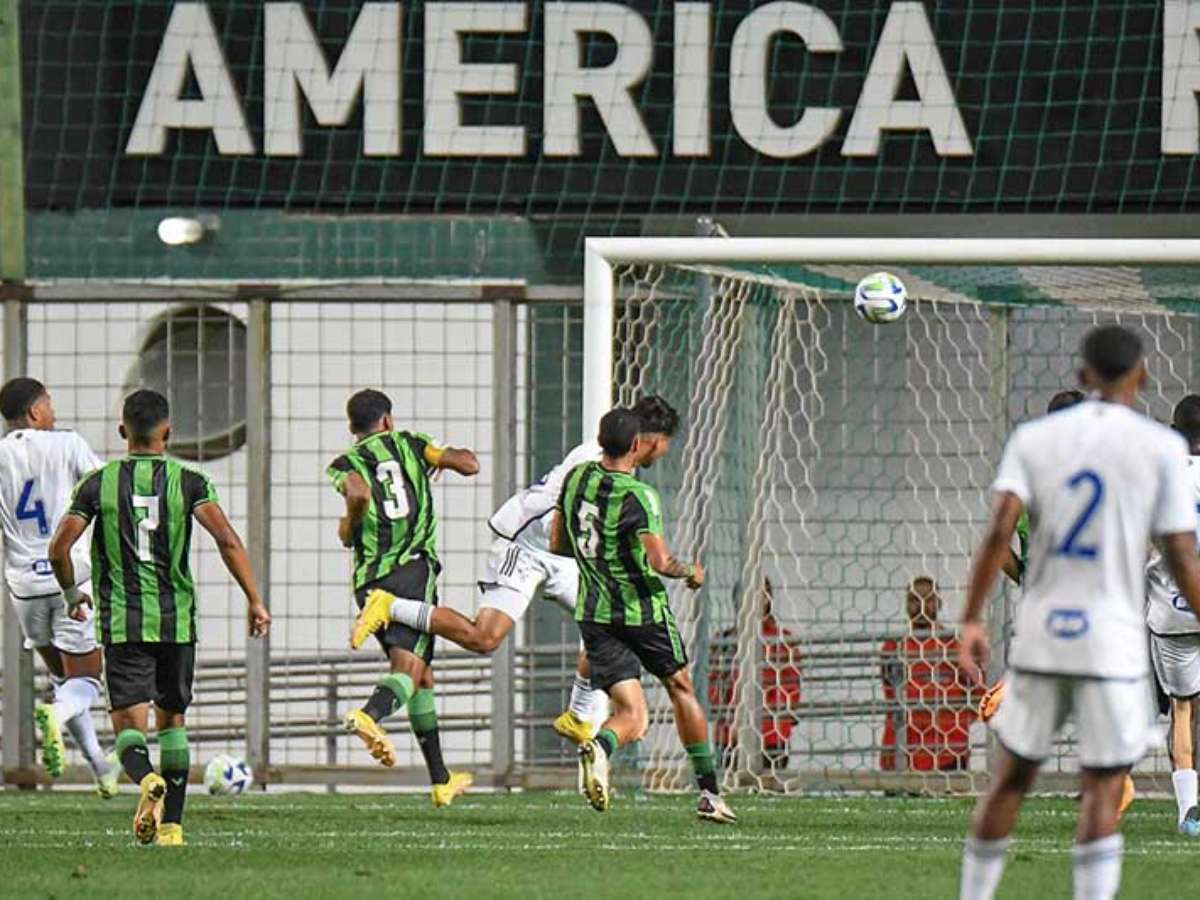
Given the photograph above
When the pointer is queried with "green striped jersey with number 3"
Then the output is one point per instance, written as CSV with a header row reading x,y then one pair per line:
x,y
400,522
605,514
141,578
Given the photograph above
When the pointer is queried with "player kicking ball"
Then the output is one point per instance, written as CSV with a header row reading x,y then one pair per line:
x,y
1099,481
391,527
40,465
612,524
142,507
521,566
1175,641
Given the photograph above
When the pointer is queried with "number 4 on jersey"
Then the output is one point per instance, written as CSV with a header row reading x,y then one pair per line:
x,y
35,511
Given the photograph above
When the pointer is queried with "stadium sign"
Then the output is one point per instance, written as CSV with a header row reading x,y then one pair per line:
x,y
631,107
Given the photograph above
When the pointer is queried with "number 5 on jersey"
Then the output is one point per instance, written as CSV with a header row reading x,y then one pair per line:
x,y
587,533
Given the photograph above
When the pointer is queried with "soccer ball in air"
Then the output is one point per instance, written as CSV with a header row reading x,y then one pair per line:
x,y
880,298
227,774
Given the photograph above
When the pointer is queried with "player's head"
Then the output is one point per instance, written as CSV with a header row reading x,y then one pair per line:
x,y
25,403
1186,419
1113,361
369,411
659,424
922,603
619,432
146,419
1064,400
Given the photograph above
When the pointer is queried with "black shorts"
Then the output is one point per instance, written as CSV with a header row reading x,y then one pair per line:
x,y
149,673
415,580
618,653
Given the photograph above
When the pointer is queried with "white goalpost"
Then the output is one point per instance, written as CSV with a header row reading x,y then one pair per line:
x,y
823,463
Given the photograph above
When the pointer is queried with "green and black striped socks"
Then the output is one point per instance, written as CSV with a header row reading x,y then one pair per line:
x,y
422,716
704,764
134,755
390,694
174,758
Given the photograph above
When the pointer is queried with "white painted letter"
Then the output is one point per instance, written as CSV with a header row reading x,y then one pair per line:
x,y
295,64
1180,78
566,80
748,61
447,76
190,43
692,114
907,38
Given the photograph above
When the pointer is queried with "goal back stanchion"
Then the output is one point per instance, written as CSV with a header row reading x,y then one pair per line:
x,y
825,463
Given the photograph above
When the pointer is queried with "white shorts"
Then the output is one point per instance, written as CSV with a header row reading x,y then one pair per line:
x,y
516,574
1112,718
1176,659
44,622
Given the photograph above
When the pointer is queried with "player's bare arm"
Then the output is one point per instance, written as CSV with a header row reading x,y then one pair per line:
x,y
358,499
1179,550
974,649
665,563
233,553
70,529
454,459
559,545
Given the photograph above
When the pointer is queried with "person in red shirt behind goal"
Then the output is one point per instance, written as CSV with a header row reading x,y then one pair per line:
x,y
923,683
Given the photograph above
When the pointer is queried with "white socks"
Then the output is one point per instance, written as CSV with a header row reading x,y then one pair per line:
x,y
1098,868
1185,790
582,698
413,613
73,701
982,866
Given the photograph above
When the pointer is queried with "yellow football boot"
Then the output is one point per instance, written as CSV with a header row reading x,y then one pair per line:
x,y
574,728
54,751
1128,792
376,615
459,783
170,834
372,735
149,809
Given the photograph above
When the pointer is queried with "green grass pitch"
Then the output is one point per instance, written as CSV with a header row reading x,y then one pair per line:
x,y
551,845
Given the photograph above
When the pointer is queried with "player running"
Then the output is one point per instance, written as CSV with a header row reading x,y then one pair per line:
x,y
391,526
1175,641
1099,481
612,524
145,599
39,466
521,565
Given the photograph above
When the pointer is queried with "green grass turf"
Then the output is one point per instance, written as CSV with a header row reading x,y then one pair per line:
x,y
551,845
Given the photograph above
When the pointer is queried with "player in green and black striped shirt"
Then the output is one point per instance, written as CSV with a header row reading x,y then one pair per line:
x,y
143,506
612,524
391,526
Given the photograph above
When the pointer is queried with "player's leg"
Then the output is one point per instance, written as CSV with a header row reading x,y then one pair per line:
x,y
1177,669
175,673
422,717
130,674
36,621
616,671
588,707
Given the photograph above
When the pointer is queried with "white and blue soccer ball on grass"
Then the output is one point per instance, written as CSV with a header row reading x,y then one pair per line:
x,y
227,774
880,298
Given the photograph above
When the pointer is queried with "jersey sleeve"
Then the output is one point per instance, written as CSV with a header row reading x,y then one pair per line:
x,y
642,512
83,458
1175,505
1013,474
425,447
339,470
85,499
198,489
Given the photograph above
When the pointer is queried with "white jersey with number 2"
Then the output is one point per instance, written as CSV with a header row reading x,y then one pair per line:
x,y
38,471
1099,481
1166,610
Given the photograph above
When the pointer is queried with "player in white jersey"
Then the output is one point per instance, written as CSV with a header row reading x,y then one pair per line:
x,y
39,467
1099,481
521,565
1175,641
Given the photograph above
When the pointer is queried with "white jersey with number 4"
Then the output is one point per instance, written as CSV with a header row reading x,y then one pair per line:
x,y
1166,610
38,471
525,517
1099,481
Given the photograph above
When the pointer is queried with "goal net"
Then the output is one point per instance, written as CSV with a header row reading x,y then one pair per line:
x,y
824,465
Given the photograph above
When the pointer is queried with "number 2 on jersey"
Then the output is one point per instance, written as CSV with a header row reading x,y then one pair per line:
x,y
1072,544
147,523
395,499
35,511
588,533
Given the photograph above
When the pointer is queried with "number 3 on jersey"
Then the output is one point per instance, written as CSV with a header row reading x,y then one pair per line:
x,y
588,534
390,475
35,511
1072,545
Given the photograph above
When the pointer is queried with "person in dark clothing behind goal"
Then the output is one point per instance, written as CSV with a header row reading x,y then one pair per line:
x,y
143,506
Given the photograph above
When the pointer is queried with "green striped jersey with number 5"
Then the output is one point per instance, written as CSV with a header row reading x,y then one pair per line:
x,y
400,522
141,579
605,514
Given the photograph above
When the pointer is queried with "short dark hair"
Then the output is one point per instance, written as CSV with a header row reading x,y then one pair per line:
x,y
366,408
1111,351
1064,400
1187,418
657,415
144,410
618,430
18,396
